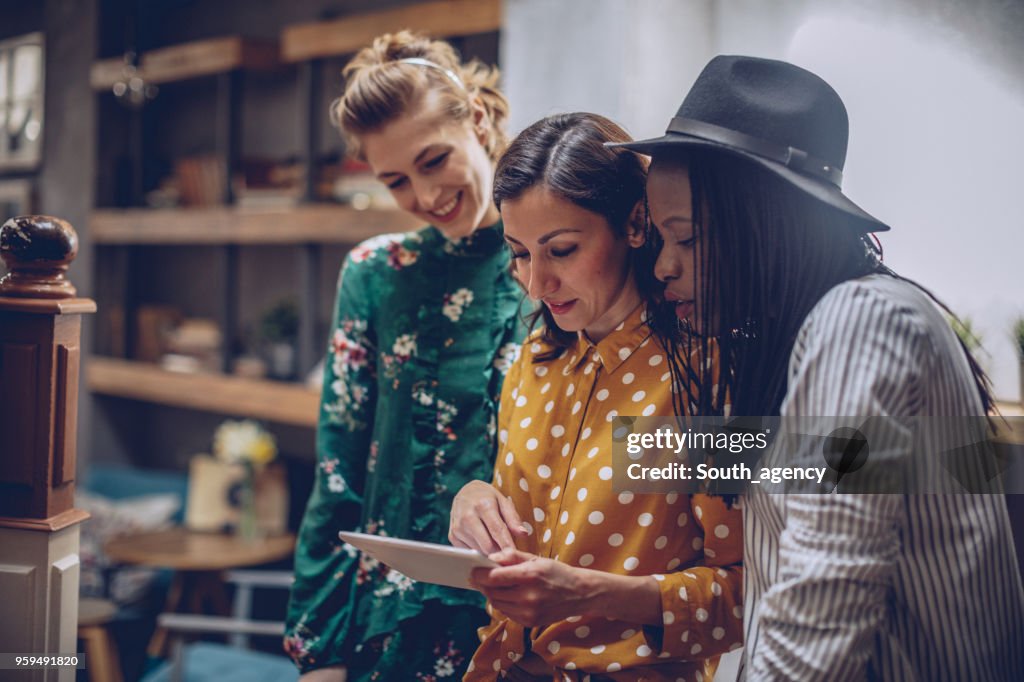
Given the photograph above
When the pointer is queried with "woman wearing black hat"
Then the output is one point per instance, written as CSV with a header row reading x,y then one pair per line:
x,y
764,253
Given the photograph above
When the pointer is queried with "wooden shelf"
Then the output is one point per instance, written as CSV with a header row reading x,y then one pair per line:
x,y
442,18
190,60
1010,409
271,400
307,224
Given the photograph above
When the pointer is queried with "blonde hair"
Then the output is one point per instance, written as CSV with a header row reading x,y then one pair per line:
x,y
379,88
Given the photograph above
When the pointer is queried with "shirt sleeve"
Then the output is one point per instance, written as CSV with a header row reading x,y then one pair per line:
x,y
702,606
858,354
321,602
491,635
506,401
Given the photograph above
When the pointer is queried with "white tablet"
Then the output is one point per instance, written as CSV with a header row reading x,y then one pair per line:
x,y
423,561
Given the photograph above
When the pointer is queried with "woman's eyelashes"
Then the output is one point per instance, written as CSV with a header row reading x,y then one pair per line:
x,y
429,165
564,252
436,162
672,234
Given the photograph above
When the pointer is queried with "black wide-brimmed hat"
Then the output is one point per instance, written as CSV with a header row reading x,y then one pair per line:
x,y
780,116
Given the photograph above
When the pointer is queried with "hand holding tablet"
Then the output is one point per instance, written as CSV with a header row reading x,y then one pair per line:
x,y
423,561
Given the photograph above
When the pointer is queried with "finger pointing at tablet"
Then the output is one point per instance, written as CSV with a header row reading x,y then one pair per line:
x,y
483,519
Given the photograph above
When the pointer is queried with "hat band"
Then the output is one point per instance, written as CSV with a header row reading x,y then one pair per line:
x,y
791,157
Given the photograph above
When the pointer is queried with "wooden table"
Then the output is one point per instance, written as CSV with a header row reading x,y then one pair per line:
x,y
197,560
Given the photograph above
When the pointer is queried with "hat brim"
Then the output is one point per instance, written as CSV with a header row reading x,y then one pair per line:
x,y
822,191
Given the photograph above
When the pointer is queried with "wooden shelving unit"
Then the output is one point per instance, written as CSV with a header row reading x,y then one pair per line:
x,y
191,60
305,49
312,224
447,18
270,400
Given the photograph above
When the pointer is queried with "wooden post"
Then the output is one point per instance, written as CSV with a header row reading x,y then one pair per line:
x,y
40,330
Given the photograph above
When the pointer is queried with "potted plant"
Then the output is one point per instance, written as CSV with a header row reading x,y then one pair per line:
x,y
1018,344
964,328
279,330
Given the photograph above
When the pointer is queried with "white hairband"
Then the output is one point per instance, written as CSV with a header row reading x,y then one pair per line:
x,y
426,62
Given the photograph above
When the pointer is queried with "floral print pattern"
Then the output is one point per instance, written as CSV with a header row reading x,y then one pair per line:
x,y
393,581
401,249
423,332
506,357
455,304
448,659
300,642
349,354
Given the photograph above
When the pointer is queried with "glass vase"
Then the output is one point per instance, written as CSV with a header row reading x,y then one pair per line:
x,y
248,528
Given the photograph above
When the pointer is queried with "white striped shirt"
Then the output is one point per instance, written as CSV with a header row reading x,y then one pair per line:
x,y
889,587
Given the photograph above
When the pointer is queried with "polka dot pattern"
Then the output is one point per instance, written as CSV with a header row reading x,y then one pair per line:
x,y
555,465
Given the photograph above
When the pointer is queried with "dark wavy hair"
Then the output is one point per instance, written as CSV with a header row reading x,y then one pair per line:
x,y
566,154
770,253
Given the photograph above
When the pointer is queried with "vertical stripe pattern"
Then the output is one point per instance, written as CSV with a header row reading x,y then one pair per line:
x,y
886,587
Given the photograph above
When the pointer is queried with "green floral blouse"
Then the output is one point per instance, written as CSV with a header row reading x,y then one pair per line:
x,y
424,331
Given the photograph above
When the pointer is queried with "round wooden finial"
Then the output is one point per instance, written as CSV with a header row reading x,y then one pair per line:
x,y
37,250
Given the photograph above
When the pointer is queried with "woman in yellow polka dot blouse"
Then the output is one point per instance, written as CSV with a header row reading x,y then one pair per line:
x,y
593,585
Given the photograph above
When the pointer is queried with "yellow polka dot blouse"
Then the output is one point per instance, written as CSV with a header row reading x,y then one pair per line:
x,y
554,462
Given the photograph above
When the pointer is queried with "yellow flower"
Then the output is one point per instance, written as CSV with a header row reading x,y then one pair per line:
x,y
243,441
263,449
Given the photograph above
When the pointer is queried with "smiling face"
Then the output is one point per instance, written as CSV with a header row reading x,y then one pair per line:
x,y
436,168
670,202
570,259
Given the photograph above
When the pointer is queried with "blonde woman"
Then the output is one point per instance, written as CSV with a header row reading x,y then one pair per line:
x,y
425,326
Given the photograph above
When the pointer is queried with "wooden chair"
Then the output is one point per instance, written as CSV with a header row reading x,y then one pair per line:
x,y
205,661
94,615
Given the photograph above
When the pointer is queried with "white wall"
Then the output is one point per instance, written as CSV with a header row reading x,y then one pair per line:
x,y
935,92
596,55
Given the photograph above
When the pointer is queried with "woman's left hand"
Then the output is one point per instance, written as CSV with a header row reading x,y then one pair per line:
x,y
533,591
